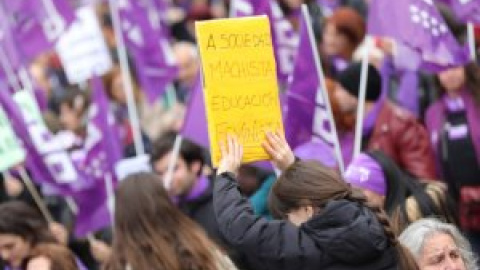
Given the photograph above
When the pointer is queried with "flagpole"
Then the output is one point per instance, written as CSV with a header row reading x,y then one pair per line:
x,y
110,196
126,78
172,162
36,196
471,41
318,65
361,101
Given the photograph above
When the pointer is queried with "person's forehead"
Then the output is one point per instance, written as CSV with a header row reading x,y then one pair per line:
x,y
438,242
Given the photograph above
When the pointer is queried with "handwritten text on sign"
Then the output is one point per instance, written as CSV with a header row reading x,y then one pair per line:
x,y
240,84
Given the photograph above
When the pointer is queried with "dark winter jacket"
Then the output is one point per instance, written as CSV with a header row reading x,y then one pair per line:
x,y
345,235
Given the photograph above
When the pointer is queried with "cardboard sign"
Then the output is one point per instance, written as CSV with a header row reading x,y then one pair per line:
x,y
240,83
11,153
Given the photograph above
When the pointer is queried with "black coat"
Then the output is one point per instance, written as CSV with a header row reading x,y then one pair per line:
x,y
201,211
345,235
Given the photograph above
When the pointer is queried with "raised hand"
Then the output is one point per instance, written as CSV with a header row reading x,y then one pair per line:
x,y
232,154
279,151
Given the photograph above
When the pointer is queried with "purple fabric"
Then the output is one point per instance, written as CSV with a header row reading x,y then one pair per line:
x,y
408,84
103,150
306,115
465,10
47,159
7,43
149,45
433,42
346,144
317,150
195,124
198,189
328,6
38,24
364,172
284,38
41,98
435,118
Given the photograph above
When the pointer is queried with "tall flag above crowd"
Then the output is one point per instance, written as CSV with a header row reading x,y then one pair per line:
x,y
148,43
285,38
308,116
434,45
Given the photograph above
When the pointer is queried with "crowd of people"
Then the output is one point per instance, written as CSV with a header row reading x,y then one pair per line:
x,y
409,200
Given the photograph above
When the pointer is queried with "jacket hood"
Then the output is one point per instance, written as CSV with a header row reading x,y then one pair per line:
x,y
351,232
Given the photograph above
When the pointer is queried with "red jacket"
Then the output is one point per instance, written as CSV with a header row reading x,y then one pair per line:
x,y
399,135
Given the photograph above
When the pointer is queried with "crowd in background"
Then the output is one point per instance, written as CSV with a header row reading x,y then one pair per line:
x,y
410,200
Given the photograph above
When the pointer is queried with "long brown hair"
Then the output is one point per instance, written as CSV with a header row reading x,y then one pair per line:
x,y
151,233
61,258
308,183
19,219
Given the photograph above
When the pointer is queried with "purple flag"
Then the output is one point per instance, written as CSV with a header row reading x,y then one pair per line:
x,y
102,151
8,49
37,24
465,10
149,45
307,115
418,25
47,159
195,124
285,39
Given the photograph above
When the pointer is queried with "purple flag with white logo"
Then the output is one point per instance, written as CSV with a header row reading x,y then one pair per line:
x,y
148,43
38,24
307,117
47,158
465,10
418,25
101,151
285,39
195,125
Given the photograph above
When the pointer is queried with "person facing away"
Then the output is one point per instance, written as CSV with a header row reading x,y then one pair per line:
x,y
386,127
151,233
324,224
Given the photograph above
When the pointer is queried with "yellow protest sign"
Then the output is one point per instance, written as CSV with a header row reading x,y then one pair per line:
x,y
240,83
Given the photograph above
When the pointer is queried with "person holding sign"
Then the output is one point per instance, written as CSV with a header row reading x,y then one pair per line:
x,y
326,224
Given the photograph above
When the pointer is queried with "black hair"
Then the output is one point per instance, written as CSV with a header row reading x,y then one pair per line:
x,y
189,151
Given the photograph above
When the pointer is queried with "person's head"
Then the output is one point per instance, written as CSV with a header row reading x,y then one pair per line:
x,y
452,80
366,174
73,110
189,165
437,245
21,229
343,33
150,231
187,58
346,92
114,86
405,198
51,257
303,190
